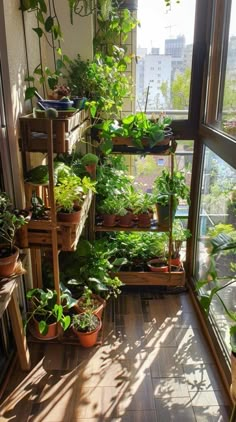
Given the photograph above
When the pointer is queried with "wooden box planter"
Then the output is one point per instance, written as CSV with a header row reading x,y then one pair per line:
x,y
145,278
38,233
66,131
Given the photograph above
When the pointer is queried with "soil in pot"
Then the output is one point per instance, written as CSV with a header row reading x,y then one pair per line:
x,y
157,265
8,260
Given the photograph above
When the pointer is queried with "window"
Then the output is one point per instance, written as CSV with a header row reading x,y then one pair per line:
x,y
167,39
217,215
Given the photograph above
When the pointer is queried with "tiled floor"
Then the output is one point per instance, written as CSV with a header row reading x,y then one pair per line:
x,y
154,365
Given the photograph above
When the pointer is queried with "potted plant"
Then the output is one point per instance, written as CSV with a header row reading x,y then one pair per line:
x,y
136,130
213,288
10,222
109,209
169,188
86,327
90,301
69,196
90,163
179,235
46,313
142,209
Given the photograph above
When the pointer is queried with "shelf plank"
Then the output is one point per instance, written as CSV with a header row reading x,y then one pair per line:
x,y
142,278
134,228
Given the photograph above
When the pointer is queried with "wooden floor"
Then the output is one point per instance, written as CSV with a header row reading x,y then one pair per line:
x,y
153,365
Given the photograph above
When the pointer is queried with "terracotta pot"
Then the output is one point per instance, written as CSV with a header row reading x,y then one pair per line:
x,y
126,220
88,339
157,265
99,301
175,261
109,220
53,331
91,169
8,264
69,217
144,220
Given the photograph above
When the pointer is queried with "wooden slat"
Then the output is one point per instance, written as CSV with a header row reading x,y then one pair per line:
x,y
151,278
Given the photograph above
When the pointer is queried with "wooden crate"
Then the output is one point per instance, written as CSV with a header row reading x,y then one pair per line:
x,y
38,233
66,132
142,278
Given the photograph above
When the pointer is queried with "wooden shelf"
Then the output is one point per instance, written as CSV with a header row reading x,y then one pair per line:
x,y
134,228
38,233
125,146
66,132
142,278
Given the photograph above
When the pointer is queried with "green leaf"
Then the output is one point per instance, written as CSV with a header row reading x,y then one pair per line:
x,y
38,31
48,24
59,52
205,302
58,311
43,327
107,146
60,64
29,92
52,81
40,17
43,6
66,322
29,79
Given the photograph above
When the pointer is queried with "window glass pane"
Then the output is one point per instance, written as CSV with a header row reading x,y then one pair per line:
x,y
164,51
227,112
217,216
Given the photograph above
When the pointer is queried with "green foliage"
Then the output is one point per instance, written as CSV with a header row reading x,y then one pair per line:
x,y
45,309
166,185
180,90
137,245
10,221
213,285
137,127
89,158
77,78
85,322
72,189
90,266
179,235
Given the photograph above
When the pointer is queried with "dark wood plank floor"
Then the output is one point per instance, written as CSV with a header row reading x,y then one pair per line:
x,y
154,365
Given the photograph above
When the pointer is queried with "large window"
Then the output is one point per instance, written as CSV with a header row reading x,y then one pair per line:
x,y
218,215
164,52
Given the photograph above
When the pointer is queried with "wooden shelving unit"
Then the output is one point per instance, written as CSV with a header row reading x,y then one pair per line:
x,y
52,136
133,278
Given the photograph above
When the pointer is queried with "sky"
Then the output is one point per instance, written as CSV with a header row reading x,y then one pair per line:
x,y
159,23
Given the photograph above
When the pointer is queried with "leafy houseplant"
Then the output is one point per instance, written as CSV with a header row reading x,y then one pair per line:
x,y
179,235
90,302
10,222
90,162
137,127
46,311
86,327
69,195
169,187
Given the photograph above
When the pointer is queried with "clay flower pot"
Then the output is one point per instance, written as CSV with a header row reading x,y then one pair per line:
x,y
8,263
98,304
157,265
109,220
88,338
69,217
